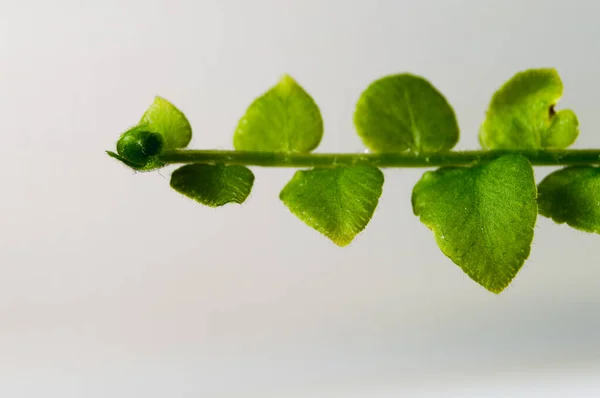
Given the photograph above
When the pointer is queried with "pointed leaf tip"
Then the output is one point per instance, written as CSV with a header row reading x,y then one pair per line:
x,y
283,119
166,119
337,202
482,216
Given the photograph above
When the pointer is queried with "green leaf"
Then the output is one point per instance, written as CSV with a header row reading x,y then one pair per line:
x,y
213,185
482,216
284,119
572,195
139,148
337,202
404,112
164,118
521,114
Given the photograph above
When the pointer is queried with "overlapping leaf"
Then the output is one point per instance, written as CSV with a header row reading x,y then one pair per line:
x,y
165,118
161,127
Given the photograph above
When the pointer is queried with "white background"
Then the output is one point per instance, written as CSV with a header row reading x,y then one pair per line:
x,y
113,285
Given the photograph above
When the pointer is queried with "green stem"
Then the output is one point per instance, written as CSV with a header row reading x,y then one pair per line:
x,y
383,160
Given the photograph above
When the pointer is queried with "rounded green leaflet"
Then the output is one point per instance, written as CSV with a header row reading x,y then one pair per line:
x,y
213,185
165,118
521,114
482,216
284,119
139,148
337,202
572,196
403,112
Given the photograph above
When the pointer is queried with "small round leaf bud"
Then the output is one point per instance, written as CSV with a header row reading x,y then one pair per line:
x,y
139,147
